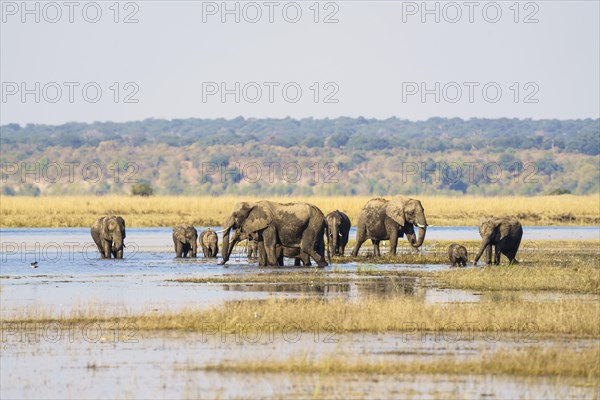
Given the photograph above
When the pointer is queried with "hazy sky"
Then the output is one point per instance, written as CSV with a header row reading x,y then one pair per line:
x,y
375,61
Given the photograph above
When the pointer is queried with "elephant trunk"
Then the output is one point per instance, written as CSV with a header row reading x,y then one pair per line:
x,y
333,240
225,250
117,241
422,230
484,244
226,247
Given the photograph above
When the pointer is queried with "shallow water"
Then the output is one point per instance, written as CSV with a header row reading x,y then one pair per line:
x,y
70,276
160,365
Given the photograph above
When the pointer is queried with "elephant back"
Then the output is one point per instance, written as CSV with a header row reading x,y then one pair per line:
x,y
209,237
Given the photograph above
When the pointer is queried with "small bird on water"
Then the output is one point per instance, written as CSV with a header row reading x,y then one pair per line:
x,y
34,264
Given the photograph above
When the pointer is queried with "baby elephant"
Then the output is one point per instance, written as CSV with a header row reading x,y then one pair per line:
x,y
458,255
185,238
210,243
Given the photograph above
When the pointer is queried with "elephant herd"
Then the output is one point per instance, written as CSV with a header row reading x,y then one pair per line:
x,y
297,230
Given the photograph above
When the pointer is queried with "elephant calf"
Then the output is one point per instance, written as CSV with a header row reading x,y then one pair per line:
x,y
210,243
458,255
109,235
256,250
338,230
185,239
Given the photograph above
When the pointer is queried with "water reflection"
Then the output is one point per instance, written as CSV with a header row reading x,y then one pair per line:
x,y
380,287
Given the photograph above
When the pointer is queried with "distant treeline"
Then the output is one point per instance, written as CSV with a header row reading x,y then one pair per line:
x,y
432,135
328,157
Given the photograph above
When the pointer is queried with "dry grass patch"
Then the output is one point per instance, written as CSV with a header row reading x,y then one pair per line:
x,y
535,361
82,211
571,317
572,279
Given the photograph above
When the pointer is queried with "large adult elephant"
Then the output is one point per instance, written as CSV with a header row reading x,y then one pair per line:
x,y
185,240
109,234
382,219
293,225
338,230
504,234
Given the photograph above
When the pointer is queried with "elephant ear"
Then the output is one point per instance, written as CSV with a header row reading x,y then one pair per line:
x,y
122,223
483,221
501,229
258,219
395,210
180,235
104,224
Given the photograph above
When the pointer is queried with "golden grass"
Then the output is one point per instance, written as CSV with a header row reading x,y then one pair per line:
x,y
373,314
82,211
533,361
573,279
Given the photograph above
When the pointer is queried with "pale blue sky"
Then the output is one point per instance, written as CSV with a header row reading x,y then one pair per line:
x,y
368,55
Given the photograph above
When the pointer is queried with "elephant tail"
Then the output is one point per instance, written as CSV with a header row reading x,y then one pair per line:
x,y
327,247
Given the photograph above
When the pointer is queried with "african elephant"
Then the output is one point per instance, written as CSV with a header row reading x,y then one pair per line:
x,y
109,233
338,229
185,239
293,225
252,251
210,243
256,250
504,234
382,219
458,255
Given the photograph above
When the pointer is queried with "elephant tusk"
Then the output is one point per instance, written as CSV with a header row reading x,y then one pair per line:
x,y
422,226
223,230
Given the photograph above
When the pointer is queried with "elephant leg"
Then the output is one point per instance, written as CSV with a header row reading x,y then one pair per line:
x,y
194,250
270,244
205,251
311,245
361,236
119,254
308,249
100,250
497,257
297,262
488,254
305,259
511,254
106,249
262,254
393,241
376,251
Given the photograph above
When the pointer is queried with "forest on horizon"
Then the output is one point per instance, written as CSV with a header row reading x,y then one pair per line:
x,y
341,156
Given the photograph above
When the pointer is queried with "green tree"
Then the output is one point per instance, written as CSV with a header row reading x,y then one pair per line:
x,y
142,189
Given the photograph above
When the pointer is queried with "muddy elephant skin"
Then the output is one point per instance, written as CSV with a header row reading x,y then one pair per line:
x,y
210,243
292,225
338,230
185,240
108,233
382,219
458,255
504,234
